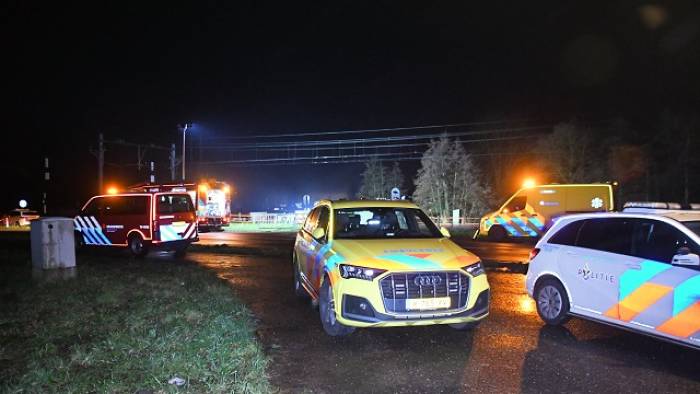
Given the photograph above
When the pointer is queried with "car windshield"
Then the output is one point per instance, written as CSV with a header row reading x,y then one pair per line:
x,y
383,222
693,226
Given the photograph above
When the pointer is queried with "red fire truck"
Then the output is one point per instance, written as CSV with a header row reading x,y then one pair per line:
x,y
211,198
138,221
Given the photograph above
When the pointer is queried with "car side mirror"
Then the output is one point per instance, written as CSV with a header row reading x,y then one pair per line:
x,y
445,232
683,257
318,233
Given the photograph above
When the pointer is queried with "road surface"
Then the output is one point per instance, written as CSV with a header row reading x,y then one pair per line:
x,y
512,351
488,251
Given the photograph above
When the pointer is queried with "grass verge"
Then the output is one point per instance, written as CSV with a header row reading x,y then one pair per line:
x,y
272,251
122,325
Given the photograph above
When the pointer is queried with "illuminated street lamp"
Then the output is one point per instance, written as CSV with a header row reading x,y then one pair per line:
x,y
184,131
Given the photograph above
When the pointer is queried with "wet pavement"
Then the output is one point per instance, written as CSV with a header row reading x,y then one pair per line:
x,y
511,351
488,251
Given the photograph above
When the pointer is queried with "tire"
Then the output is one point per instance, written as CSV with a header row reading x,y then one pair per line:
x,y
552,302
326,307
79,241
497,234
299,290
468,326
137,246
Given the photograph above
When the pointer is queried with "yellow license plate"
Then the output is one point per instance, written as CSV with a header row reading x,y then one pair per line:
x,y
425,304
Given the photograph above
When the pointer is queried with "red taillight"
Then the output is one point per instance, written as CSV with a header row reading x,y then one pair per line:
x,y
534,252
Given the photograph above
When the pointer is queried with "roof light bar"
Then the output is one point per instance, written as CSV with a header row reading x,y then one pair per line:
x,y
653,205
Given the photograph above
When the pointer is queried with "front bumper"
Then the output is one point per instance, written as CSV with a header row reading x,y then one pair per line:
x,y
174,245
355,315
361,303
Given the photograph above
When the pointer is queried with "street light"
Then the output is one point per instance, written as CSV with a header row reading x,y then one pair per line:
x,y
184,131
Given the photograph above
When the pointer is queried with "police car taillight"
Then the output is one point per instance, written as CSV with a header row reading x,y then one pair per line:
x,y
533,253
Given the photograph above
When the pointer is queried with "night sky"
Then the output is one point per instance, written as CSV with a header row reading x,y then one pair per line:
x,y
136,71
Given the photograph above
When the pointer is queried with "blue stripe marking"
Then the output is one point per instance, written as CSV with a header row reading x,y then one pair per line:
x,y
319,259
333,261
686,294
632,278
507,226
95,239
524,227
102,237
537,223
410,261
87,237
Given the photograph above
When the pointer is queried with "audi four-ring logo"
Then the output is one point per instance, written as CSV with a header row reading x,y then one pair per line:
x,y
427,280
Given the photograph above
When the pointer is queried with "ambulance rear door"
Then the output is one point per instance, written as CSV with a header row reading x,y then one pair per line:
x,y
588,198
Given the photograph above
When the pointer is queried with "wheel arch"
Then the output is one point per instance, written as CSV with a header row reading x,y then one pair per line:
x,y
139,232
552,276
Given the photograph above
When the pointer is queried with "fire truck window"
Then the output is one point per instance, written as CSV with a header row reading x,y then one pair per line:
x,y
174,203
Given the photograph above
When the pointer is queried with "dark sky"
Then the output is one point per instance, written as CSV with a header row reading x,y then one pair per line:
x,y
135,71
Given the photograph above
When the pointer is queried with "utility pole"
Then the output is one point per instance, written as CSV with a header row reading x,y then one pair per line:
x,y
151,176
47,178
184,133
172,162
100,162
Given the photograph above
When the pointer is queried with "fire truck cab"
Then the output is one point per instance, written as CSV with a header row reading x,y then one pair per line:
x,y
138,221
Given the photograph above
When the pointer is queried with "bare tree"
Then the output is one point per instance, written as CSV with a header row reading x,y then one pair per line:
x,y
373,179
448,179
570,154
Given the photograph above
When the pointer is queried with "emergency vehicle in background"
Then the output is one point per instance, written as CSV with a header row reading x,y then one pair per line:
x,y
211,198
138,221
531,210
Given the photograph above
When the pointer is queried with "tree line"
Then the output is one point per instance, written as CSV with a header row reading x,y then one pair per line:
x,y
660,165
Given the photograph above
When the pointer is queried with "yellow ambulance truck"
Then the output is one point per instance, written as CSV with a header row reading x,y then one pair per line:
x,y
532,210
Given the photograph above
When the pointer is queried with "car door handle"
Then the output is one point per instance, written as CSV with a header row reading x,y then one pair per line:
x,y
633,266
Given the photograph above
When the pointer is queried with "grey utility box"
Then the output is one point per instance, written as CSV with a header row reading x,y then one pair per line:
x,y
53,243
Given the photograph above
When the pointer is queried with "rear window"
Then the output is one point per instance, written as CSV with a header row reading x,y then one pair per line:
x,y
612,235
567,235
174,203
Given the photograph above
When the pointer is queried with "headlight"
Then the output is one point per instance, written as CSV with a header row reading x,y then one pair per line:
x,y
475,269
353,271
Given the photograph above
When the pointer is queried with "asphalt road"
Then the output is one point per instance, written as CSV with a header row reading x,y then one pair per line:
x,y
488,251
512,351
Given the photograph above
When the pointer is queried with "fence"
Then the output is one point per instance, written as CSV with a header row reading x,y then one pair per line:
x,y
299,217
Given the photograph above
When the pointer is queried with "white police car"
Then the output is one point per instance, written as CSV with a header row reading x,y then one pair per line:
x,y
638,269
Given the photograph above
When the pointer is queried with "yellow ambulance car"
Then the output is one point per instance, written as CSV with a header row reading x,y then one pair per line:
x,y
531,210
